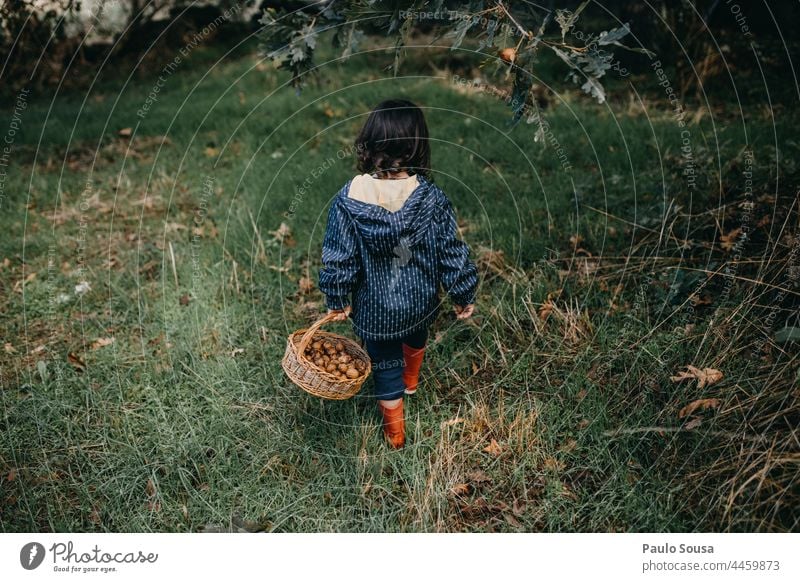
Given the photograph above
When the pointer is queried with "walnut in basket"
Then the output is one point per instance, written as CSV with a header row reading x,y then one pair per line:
x,y
332,357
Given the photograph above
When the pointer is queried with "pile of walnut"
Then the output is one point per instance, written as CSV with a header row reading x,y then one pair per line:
x,y
331,357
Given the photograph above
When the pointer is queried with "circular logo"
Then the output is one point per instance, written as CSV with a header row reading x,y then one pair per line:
x,y
31,555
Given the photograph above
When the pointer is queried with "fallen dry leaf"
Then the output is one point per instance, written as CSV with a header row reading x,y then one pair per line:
x,y
728,241
281,232
479,476
569,446
184,299
9,348
545,310
698,300
461,489
287,264
152,502
576,239
493,448
125,132
492,260
553,464
704,377
94,516
305,285
548,305
76,361
569,493
211,152
174,227
702,404
102,342
694,423
22,282
236,351
208,230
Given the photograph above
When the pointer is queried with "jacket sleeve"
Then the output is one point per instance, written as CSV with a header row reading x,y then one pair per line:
x,y
458,273
340,258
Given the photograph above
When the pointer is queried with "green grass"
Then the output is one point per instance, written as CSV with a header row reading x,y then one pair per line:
x,y
186,422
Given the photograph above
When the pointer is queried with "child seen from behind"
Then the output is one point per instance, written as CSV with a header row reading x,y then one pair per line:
x,y
390,243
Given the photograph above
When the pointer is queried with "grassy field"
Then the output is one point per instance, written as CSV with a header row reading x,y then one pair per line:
x,y
153,400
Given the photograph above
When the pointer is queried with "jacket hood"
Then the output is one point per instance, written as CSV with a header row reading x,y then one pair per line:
x,y
386,233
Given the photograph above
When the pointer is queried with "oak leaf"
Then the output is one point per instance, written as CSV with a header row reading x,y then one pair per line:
x,y
704,377
702,404
76,361
493,448
102,342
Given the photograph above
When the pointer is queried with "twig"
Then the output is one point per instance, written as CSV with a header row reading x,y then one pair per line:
x,y
253,406
677,429
174,269
524,32
577,49
740,278
261,250
236,276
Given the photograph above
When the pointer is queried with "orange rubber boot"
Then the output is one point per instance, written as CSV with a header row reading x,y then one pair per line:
x,y
413,362
394,425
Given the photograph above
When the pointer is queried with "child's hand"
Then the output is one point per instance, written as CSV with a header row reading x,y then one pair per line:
x,y
464,312
341,314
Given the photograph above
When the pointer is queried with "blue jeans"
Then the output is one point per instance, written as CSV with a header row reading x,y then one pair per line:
x,y
387,363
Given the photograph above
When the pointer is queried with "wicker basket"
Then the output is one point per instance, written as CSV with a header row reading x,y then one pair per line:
x,y
312,379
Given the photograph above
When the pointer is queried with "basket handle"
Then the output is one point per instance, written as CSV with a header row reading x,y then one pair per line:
x,y
306,339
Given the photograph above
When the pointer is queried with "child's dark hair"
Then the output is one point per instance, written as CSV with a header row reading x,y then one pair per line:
x,y
394,139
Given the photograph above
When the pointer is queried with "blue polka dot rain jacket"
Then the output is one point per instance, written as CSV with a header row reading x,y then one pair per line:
x,y
389,266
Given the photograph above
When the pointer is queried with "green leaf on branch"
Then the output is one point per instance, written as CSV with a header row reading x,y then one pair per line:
x,y
614,35
348,38
461,30
289,41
